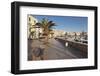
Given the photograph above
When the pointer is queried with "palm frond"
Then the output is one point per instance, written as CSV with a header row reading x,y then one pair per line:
x,y
51,24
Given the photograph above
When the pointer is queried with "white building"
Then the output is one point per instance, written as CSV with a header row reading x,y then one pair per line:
x,y
33,29
58,33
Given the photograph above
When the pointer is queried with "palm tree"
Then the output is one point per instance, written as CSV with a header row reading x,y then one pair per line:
x,y
47,26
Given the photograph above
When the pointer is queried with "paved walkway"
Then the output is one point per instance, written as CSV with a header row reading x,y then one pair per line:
x,y
53,50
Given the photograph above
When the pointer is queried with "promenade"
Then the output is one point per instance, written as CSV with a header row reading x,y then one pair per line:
x,y
54,49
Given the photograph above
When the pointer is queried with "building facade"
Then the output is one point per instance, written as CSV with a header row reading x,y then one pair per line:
x,y
33,30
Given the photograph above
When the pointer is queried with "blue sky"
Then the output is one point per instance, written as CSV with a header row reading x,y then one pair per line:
x,y
67,23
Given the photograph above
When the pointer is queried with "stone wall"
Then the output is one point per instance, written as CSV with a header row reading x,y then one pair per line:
x,y
80,46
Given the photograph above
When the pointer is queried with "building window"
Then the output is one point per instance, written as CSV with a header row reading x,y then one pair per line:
x,y
34,21
29,19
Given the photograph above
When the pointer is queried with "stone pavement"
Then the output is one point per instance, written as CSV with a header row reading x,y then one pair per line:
x,y
54,49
